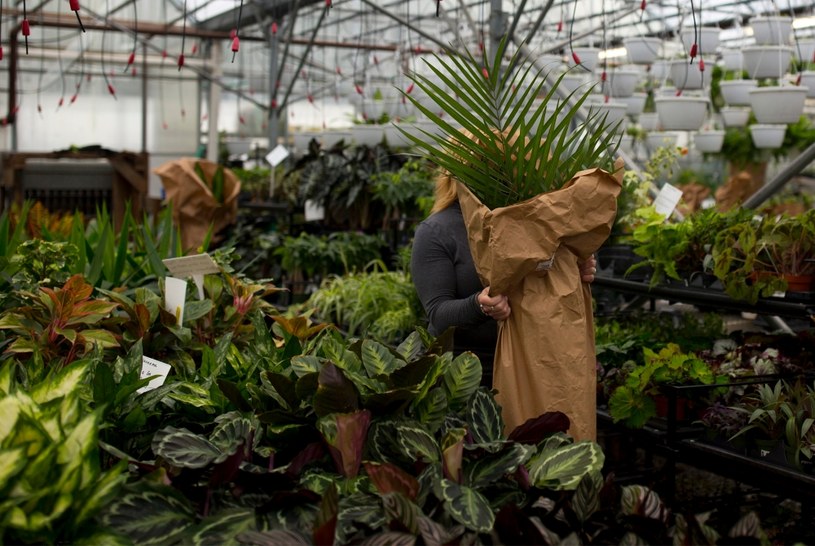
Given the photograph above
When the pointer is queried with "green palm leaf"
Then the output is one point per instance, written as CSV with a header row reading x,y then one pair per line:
x,y
499,135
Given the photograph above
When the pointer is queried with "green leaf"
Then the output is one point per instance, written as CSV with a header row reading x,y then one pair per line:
x,y
232,432
104,387
102,338
66,382
9,412
224,527
305,364
484,418
462,379
638,500
196,309
378,360
467,506
182,448
100,495
411,347
403,510
274,537
564,467
14,460
97,262
431,409
491,468
417,443
586,499
153,517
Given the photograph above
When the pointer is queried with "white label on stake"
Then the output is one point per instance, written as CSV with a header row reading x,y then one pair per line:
x,y
314,211
175,296
195,266
667,199
277,155
158,370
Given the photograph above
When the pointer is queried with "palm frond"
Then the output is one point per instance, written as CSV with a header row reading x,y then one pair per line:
x,y
499,135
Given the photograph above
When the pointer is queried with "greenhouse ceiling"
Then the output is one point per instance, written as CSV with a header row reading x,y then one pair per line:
x,y
302,50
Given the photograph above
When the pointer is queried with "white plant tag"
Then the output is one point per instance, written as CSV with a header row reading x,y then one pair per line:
x,y
158,370
175,296
314,211
195,266
277,155
667,199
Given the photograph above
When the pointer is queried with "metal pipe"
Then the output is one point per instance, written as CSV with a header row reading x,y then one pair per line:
x,y
769,189
415,29
284,102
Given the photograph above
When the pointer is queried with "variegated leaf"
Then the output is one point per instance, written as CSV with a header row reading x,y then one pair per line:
x,y
305,364
399,508
378,359
586,498
183,448
632,539
389,538
638,500
489,469
564,467
150,517
484,418
467,506
748,526
462,379
67,381
431,409
434,534
417,443
275,537
411,347
231,432
224,527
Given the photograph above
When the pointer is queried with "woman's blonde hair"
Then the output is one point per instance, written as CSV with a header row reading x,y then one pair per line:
x,y
445,193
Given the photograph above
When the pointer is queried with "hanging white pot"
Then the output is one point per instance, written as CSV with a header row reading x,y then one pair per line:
x,y
682,113
804,50
688,76
649,121
768,135
660,139
642,50
708,141
367,135
332,137
766,61
735,116
772,29
613,110
627,143
737,92
708,39
778,104
635,103
623,82
808,81
731,59
660,70
588,57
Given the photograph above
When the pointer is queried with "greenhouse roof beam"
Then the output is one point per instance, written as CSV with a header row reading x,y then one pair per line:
x,y
276,9
284,102
408,25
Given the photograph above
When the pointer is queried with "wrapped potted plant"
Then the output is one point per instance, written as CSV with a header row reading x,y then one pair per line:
x,y
535,203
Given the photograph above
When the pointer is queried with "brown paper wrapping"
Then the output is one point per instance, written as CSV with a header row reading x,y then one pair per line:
x,y
742,183
194,207
545,357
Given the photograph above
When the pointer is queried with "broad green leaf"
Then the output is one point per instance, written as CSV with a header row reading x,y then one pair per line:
x,y
232,431
431,409
416,443
103,338
66,382
99,496
586,498
14,460
273,537
378,360
196,309
484,418
403,510
462,379
305,364
491,468
80,441
182,448
411,347
564,467
224,527
467,506
150,517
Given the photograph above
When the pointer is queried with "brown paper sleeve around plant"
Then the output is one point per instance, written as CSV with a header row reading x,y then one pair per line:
x,y
194,206
511,242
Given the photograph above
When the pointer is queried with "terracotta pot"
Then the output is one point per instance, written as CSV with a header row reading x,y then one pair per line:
x,y
799,283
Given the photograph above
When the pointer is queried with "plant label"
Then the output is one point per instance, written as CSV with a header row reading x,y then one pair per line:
x,y
277,155
158,370
175,296
667,199
314,211
195,266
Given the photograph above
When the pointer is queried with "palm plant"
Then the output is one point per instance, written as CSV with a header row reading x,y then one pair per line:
x,y
509,146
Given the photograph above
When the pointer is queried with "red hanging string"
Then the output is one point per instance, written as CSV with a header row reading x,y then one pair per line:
x,y
183,37
75,8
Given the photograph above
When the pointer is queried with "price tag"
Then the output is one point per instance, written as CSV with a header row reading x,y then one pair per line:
x,y
195,266
158,370
667,199
313,211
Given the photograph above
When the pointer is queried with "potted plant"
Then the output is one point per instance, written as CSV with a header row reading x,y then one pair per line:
x,y
787,245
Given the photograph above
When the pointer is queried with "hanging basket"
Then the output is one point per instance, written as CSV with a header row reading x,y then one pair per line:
x,y
588,57
734,116
708,39
683,113
771,30
805,51
808,81
767,61
660,139
642,50
732,59
778,104
635,103
623,82
688,76
708,141
649,121
767,135
737,92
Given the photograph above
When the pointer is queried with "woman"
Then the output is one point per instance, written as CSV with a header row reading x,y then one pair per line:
x,y
448,285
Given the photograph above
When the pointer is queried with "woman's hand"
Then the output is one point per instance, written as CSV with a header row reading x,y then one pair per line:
x,y
496,307
588,269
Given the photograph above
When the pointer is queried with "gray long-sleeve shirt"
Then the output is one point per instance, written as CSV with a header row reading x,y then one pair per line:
x,y
447,283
